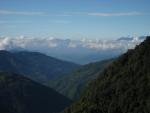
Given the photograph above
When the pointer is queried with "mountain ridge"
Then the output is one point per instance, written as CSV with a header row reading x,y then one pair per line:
x,y
34,65
123,87
19,94
79,79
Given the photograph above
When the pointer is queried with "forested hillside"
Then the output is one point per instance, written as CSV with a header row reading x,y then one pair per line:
x,y
73,84
21,95
34,65
124,87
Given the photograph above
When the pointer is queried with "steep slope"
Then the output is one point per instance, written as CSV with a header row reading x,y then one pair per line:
x,y
34,65
124,87
78,79
21,95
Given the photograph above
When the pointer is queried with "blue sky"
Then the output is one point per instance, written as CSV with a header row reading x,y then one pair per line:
x,y
75,18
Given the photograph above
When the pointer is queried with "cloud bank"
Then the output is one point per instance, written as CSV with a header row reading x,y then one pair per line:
x,y
78,51
7,43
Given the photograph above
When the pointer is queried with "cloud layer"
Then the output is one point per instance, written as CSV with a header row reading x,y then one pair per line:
x,y
101,14
79,51
48,43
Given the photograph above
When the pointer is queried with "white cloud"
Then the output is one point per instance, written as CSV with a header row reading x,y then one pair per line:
x,y
102,14
12,12
78,51
6,43
39,44
115,14
72,45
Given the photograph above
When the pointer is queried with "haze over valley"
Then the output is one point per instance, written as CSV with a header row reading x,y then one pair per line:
x,y
81,51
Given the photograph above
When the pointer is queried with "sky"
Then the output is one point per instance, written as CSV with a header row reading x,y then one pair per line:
x,y
75,19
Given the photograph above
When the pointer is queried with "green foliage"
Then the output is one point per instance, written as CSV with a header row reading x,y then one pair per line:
x,y
124,87
72,85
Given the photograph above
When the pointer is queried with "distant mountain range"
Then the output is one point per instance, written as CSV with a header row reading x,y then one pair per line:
x,y
79,51
67,78
119,85
73,84
34,65
123,87
22,95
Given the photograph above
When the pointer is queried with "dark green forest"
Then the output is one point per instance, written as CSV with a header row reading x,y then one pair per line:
x,y
73,84
123,87
120,85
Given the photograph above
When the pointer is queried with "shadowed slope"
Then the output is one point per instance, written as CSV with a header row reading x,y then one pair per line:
x,y
73,84
34,65
21,95
124,87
